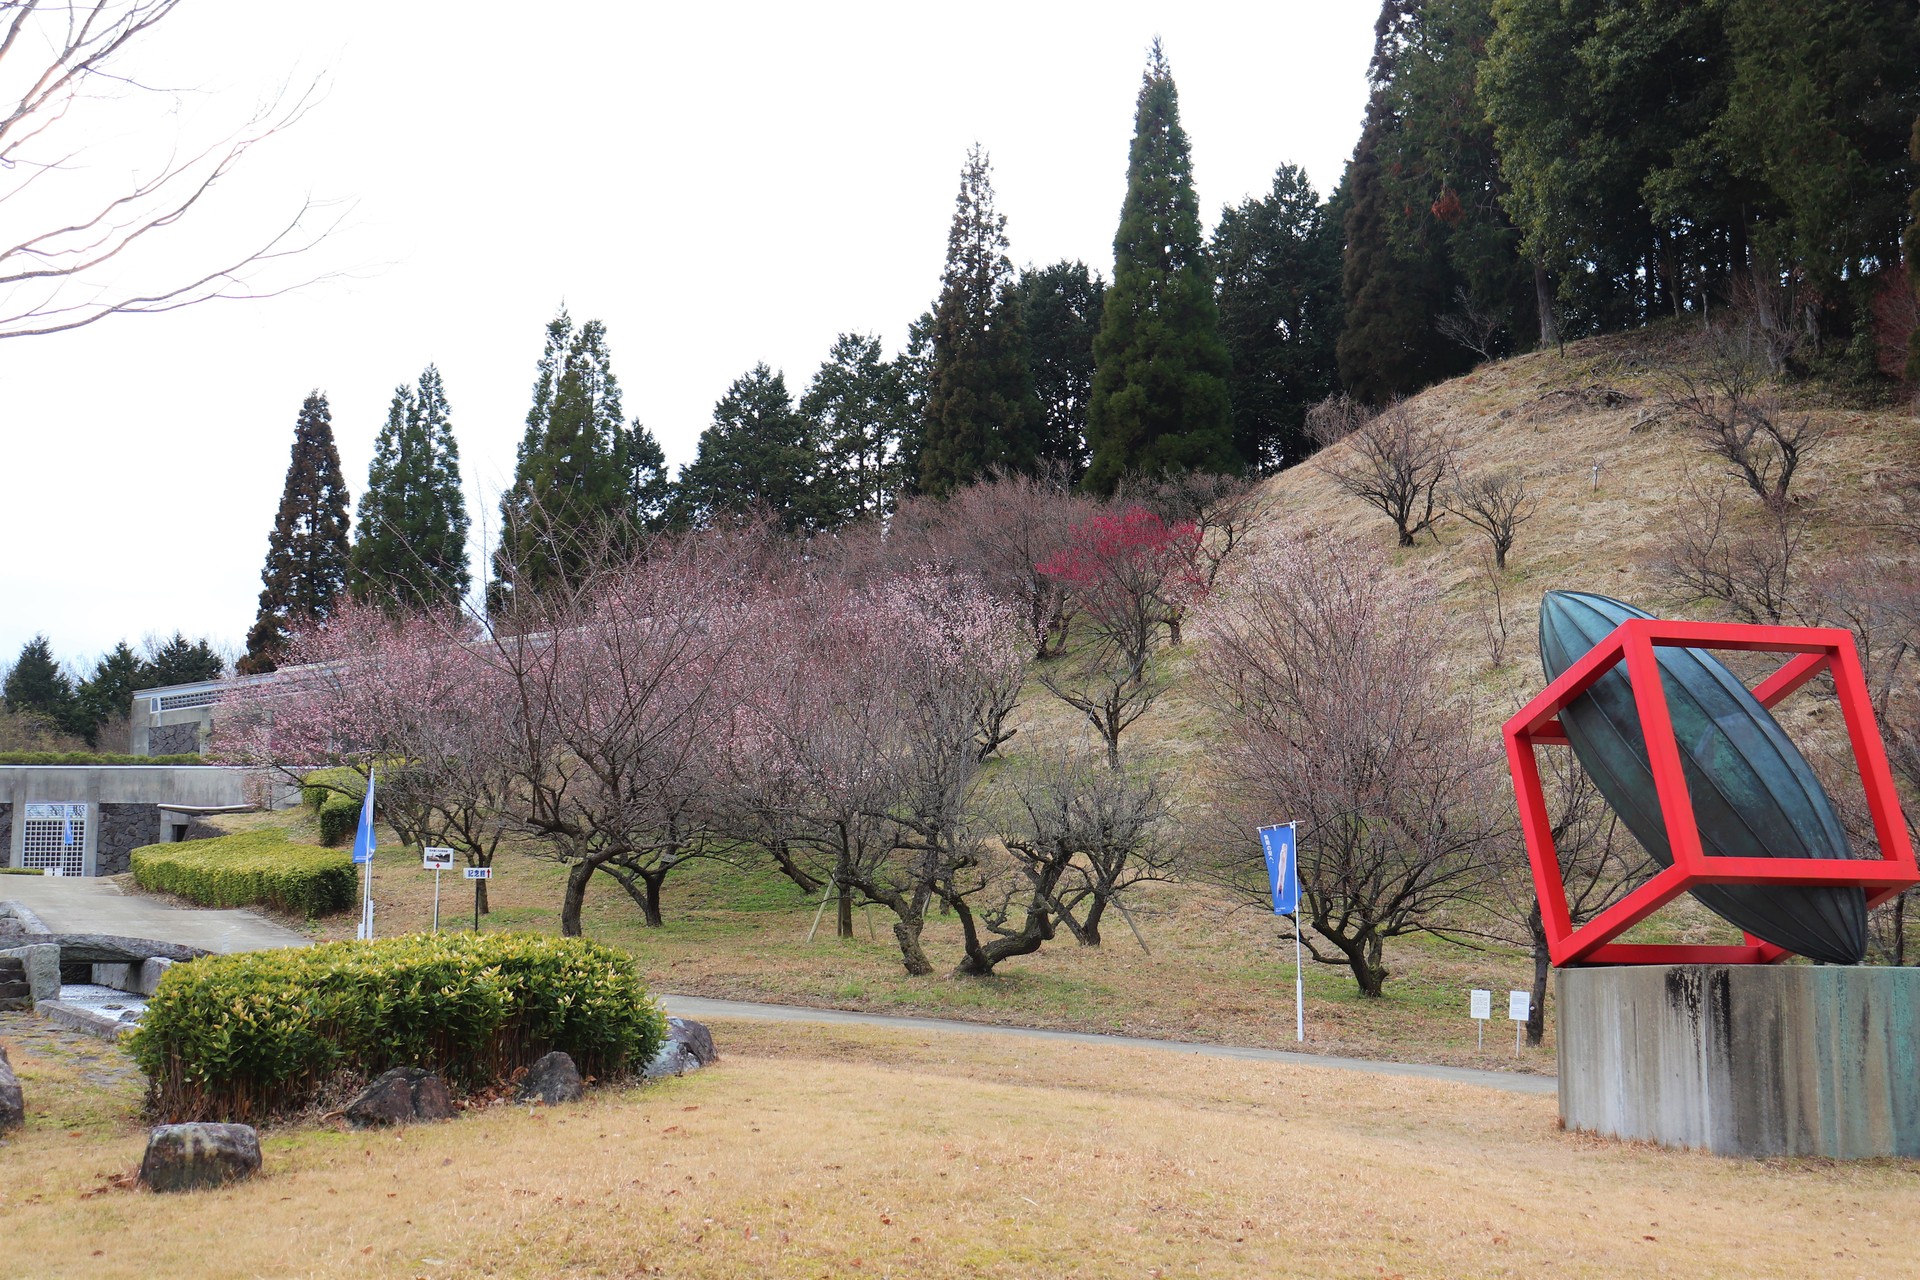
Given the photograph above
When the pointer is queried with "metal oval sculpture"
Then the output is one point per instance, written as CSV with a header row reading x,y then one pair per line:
x,y
1753,793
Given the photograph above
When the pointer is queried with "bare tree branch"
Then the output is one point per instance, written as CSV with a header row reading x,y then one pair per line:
x,y
71,254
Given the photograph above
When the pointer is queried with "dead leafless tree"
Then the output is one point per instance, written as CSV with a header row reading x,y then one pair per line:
x,y
75,247
1727,399
1491,610
1393,460
1470,324
1496,503
1741,557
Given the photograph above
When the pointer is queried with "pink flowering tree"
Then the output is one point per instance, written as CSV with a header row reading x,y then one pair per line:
x,y
1131,572
403,696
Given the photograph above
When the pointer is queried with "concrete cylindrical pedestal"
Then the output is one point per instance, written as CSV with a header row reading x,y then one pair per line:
x,y
1757,1060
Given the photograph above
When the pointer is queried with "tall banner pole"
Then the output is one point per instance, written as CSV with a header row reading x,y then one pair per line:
x,y
1279,844
363,844
1299,979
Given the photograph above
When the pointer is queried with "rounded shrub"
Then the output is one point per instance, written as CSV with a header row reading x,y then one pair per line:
x,y
251,868
339,819
247,1036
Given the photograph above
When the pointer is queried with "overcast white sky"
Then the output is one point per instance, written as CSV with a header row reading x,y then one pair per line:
x,y
720,183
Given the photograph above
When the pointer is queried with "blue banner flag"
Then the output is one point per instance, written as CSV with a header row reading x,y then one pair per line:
x,y
1283,867
363,838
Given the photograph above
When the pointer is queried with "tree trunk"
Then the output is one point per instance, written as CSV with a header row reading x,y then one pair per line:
x,y
577,876
906,931
480,889
1543,300
1542,965
1088,934
842,870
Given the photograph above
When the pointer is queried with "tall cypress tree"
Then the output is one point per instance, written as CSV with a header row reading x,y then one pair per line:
x,y
1395,273
1061,307
411,546
307,552
573,487
981,408
1159,400
1279,270
759,452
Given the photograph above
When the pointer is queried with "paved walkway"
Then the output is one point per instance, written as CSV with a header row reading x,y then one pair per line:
x,y
98,906
1512,1082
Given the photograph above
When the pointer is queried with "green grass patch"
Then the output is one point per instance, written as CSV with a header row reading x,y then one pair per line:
x,y
254,868
246,1036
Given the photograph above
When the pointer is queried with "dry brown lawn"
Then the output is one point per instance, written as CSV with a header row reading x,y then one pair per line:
x,y
814,1152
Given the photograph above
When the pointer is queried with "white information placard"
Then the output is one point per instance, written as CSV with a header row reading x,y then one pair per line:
x,y
1480,1004
479,873
1519,1005
434,858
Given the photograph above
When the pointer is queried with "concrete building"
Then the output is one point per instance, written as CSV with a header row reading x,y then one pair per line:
x,y
84,820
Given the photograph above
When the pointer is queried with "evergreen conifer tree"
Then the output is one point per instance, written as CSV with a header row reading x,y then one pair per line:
x,y
759,452
573,487
1910,245
411,534
1061,306
1279,271
1159,400
37,686
108,692
857,404
981,409
178,660
307,552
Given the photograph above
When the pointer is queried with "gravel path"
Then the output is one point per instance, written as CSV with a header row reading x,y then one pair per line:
x,y
1512,1082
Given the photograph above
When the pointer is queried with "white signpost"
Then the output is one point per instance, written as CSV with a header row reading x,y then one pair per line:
x,y
436,858
1519,1009
477,874
1480,1007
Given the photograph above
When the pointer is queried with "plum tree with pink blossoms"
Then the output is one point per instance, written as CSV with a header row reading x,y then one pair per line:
x,y
1131,572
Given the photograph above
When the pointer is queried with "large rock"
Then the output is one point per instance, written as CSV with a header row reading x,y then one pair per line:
x,y
696,1037
13,1103
552,1080
689,1047
404,1095
186,1157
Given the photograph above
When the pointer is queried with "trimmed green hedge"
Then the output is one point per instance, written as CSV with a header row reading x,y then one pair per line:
x,y
247,1036
339,819
251,868
95,757
340,782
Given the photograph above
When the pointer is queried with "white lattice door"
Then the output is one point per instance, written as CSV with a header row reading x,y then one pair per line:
x,y
54,837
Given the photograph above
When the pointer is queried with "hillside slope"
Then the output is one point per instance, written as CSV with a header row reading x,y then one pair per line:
x,y
1555,418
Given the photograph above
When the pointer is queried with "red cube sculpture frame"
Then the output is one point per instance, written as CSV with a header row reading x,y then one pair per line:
x,y
1816,649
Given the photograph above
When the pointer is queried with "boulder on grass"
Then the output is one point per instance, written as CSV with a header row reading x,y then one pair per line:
x,y
187,1157
404,1095
13,1103
552,1080
689,1047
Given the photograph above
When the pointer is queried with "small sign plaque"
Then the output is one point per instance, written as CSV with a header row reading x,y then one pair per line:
x,y
479,873
1480,1004
435,858
1519,1005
